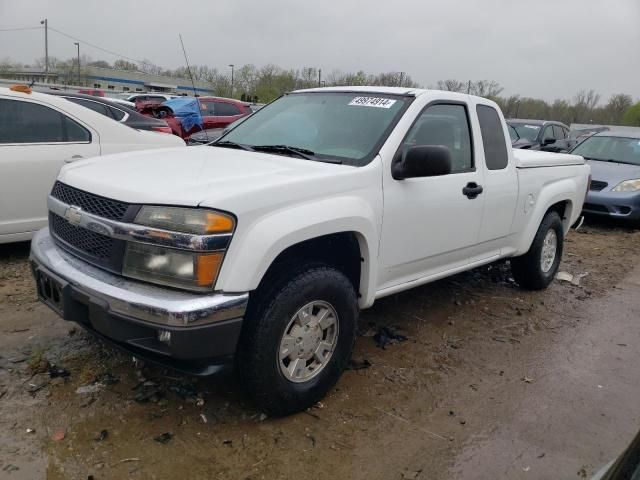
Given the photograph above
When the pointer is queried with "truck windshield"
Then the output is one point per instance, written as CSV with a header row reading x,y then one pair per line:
x,y
338,127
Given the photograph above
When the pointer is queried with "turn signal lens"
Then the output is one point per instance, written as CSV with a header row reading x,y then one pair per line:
x,y
207,268
189,220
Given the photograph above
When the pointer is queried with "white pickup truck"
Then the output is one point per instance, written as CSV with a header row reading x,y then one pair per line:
x,y
264,246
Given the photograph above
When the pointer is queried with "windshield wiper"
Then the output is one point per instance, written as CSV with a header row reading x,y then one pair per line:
x,y
299,151
228,144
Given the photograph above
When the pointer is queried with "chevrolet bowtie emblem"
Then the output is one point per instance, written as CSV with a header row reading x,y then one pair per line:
x,y
73,215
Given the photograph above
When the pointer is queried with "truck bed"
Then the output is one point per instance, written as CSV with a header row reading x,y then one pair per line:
x,y
537,159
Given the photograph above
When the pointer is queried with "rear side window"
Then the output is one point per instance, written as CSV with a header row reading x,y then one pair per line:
x,y
116,113
495,148
207,108
26,122
95,106
227,109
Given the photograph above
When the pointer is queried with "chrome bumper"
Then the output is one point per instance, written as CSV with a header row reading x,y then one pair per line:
x,y
132,299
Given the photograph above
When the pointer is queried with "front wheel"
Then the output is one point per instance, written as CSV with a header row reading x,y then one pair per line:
x,y
298,339
536,269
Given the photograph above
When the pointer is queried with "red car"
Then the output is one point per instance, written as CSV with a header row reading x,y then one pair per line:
x,y
92,91
216,112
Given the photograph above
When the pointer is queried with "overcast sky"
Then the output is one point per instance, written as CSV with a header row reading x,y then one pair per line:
x,y
544,48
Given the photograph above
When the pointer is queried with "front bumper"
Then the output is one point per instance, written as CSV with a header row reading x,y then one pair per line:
x,y
616,205
200,331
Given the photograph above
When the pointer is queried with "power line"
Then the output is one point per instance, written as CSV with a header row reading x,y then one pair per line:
x,y
19,29
96,46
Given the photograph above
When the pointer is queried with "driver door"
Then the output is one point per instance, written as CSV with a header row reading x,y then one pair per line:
x,y
429,224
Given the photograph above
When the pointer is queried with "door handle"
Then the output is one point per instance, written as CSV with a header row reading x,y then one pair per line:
x,y
472,190
73,159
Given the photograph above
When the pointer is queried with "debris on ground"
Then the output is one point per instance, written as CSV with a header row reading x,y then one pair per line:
x,y
37,363
31,430
17,359
358,364
59,435
387,336
526,379
164,438
88,389
58,372
148,391
263,417
102,435
10,468
411,475
572,279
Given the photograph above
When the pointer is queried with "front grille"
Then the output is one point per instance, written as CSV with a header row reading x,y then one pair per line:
x,y
91,243
103,207
597,185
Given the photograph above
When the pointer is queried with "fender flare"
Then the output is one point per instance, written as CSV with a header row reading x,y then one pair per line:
x,y
255,247
561,191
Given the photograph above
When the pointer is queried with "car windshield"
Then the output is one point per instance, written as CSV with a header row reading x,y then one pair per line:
x,y
526,130
345,126
610,149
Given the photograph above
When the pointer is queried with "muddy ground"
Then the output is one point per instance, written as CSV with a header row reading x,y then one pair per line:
x,y
493,382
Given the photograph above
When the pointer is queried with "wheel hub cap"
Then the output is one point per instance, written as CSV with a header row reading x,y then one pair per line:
x,y
308,341
549,248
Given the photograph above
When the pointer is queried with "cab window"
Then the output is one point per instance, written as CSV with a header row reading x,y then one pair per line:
x,y
27,122
448,125
495,147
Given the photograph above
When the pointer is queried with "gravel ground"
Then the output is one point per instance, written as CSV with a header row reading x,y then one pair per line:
x,y
493,382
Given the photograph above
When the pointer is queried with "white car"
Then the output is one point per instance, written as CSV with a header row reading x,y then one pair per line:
x,y
40,133
147,96
265,245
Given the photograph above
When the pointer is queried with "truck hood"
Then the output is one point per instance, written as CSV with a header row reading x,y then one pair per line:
x,y
203,176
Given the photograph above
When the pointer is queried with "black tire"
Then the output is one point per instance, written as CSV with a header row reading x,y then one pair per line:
x,y
527,270
257,354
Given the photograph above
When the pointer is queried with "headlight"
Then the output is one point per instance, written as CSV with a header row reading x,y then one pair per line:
x,y
187,220
628,186
168,266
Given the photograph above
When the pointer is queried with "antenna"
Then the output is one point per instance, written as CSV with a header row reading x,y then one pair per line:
x,y
193,85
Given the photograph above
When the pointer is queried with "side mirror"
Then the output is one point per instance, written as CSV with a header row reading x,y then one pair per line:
x,y
422,161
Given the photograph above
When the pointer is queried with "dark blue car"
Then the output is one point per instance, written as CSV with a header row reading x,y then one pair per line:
x,y
614,158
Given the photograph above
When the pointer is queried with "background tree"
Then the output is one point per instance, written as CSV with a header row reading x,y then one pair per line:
x,y
632,116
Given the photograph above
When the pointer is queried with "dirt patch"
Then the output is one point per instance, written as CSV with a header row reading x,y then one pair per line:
x,y
472,343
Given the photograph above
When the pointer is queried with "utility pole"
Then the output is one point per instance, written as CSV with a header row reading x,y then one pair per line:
x,y
468,87
46,48
319,77
401,77
231,65
77,44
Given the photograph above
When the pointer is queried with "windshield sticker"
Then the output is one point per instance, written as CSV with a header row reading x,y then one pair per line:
x,y
372,102
532,126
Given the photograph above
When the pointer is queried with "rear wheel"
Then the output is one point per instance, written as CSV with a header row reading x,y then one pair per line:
x,y
297,339
536,269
